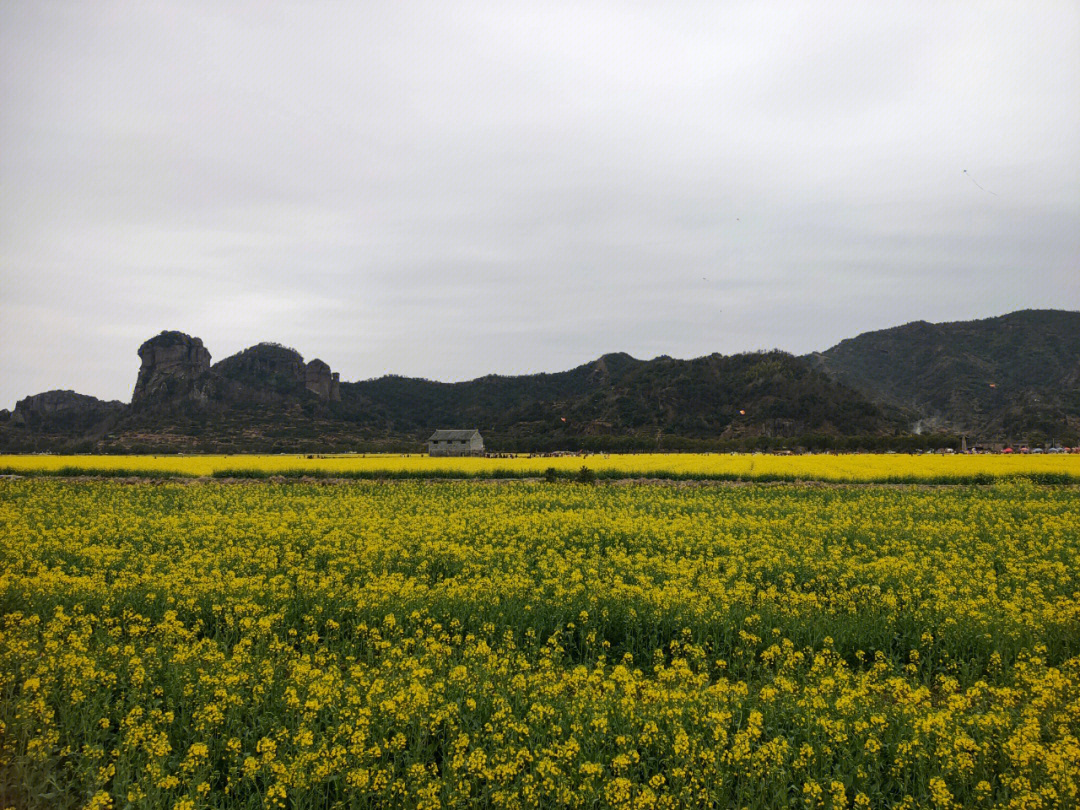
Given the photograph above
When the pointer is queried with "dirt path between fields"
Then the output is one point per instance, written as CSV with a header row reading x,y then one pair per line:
x,y
688,483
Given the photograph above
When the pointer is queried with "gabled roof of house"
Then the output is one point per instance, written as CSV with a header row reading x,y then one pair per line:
x,y
453,435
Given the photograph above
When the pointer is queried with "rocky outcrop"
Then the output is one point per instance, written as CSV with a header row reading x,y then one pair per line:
x,y
265,365
173,366
270,369
322,382
62,408
176,367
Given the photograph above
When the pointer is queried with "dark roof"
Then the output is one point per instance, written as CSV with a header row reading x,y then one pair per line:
x,y
452,435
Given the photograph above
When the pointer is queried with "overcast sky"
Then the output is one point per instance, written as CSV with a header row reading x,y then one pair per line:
x,y
453,189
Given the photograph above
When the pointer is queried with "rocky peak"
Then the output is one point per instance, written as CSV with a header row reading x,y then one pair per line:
x,y
265,365
172,362
322,382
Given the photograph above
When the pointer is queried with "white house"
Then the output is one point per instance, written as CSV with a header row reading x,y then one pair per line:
x,y
455,443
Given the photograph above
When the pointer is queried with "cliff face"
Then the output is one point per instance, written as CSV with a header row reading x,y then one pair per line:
x,y
265,365
323,383
270,368
62,409
173,366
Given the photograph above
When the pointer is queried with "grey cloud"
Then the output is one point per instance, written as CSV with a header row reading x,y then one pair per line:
x,y
454,190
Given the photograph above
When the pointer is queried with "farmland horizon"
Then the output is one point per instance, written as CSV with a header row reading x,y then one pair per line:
x,y
1009,379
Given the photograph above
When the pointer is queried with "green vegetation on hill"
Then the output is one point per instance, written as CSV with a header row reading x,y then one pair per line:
x,y
619,402
266,365
1015,377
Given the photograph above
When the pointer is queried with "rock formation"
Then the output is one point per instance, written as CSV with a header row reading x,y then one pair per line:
x,y
172,365
264,373
322,382
62,407
270,369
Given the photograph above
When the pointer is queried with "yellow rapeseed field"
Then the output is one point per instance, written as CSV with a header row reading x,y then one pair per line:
x,y
840,468
529,644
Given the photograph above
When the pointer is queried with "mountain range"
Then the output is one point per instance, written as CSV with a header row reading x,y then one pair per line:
x,y
1014,378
